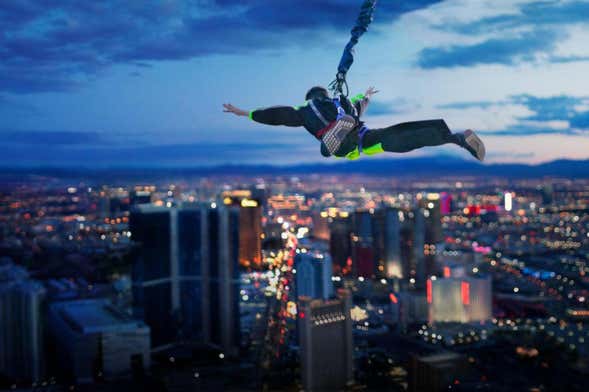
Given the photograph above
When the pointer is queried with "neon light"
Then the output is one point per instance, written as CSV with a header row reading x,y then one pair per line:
x,y
393,298
465,286
249,203
446,272
508,201
429,291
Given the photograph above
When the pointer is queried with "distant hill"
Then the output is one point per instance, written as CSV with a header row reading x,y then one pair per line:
x,y
422,167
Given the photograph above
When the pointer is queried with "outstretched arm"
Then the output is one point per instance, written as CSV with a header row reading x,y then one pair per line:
x,y
361,101
277,115
228,108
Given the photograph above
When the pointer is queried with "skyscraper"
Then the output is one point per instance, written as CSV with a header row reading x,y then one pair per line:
x,y
325,335
250,233
156,283
313,277
392,244
223,329
432,204
363,244
431,208
418,259
339,242
185,278
250,226
21,334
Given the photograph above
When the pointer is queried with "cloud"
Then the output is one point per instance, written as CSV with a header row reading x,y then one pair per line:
x,y
50,138
559,114
468,105
13,108
537,13
50,45
561,107
530,32
568,59
85,154
505,51
380,108
580,121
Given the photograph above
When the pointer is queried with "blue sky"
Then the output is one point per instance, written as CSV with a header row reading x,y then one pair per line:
x,y
115,83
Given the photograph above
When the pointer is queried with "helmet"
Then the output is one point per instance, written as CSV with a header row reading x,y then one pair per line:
x,y
317,92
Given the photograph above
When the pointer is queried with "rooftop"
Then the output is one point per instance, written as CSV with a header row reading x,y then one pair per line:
x,y
95,316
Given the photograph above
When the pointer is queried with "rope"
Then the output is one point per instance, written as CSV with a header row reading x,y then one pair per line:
x,y
362,22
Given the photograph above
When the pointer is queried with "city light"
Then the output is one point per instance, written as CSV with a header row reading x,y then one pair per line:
x,y
508,201
460,274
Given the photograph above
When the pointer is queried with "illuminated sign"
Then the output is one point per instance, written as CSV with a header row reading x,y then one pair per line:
x,y
465,289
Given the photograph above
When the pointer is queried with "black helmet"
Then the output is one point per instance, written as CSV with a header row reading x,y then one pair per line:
x,y
317,92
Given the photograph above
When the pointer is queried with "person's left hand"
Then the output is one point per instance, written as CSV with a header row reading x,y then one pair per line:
x,y
228,108
370,92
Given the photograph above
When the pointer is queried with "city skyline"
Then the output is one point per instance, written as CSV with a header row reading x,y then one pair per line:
x,y
145,84
357,282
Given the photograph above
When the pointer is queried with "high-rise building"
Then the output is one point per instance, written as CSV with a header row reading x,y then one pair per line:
x,y
430,206
325,335
185,281
250,226
435,372
21,332
363,244
418,260
95,340
463,300
224,279
321,225
340,247
313,277
392,244
156,283
250,233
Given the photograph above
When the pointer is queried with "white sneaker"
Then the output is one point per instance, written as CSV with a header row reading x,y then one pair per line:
x,y
474,144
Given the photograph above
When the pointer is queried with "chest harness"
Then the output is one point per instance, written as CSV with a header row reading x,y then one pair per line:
x,y
334,133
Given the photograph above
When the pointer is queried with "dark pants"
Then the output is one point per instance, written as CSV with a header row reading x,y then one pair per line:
x,y
409,136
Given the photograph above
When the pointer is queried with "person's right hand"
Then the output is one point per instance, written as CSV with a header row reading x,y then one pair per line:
x,y
228,108
370,92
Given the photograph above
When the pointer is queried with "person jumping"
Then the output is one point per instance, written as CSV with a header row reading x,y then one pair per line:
x,y
336,123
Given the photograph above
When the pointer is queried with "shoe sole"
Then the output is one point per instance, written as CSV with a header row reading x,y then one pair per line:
x,y
475,143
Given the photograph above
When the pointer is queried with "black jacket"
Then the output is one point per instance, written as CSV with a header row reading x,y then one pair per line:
x,y
315,115
305,116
